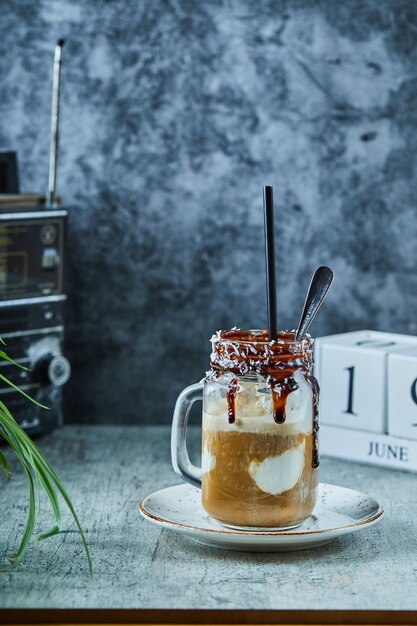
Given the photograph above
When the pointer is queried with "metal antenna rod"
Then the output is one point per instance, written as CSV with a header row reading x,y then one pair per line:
x,y
53,151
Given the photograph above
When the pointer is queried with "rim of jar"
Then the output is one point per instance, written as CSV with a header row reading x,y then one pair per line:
x,y
284,338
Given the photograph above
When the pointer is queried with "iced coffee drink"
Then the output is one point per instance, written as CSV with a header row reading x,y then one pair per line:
x,y
260,423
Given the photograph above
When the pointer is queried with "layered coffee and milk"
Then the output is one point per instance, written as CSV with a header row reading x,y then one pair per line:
x,y
260,427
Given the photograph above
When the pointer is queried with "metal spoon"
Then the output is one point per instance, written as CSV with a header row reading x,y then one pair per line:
x,y
319,286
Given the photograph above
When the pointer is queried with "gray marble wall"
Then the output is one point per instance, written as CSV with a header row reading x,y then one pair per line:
x,y
174,114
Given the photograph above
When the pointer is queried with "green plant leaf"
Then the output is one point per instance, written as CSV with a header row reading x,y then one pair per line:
x,y
55,530
9,382
6,357
3,464
51,478
44,481
36,467
30,520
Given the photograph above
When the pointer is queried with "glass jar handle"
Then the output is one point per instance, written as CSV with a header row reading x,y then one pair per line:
x,y
179,454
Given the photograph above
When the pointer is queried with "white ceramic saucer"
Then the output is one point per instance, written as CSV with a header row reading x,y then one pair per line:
x,y
339,511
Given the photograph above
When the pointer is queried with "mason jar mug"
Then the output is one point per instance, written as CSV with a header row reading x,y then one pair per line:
x,y
260,431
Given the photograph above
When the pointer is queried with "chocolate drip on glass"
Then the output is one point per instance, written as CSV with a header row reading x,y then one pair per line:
x,y
231,395
316,389
280,393
245,352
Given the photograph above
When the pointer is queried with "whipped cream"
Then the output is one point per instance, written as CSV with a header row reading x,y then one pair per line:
x,y
278,474
208,460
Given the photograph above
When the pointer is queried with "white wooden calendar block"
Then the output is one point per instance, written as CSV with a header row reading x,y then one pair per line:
x,y
352,372
402,394
369,448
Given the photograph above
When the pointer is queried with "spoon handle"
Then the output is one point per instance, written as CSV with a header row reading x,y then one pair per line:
x,y
319,286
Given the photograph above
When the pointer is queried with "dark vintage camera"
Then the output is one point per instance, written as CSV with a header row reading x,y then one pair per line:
x,y
32,303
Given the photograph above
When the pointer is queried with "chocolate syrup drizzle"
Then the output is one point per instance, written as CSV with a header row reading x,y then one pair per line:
x,y
243,352
231,395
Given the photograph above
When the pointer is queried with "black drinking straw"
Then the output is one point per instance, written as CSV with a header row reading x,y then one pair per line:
x,y
271,282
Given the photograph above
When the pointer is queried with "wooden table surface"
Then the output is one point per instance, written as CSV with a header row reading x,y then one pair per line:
x,y
138,566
